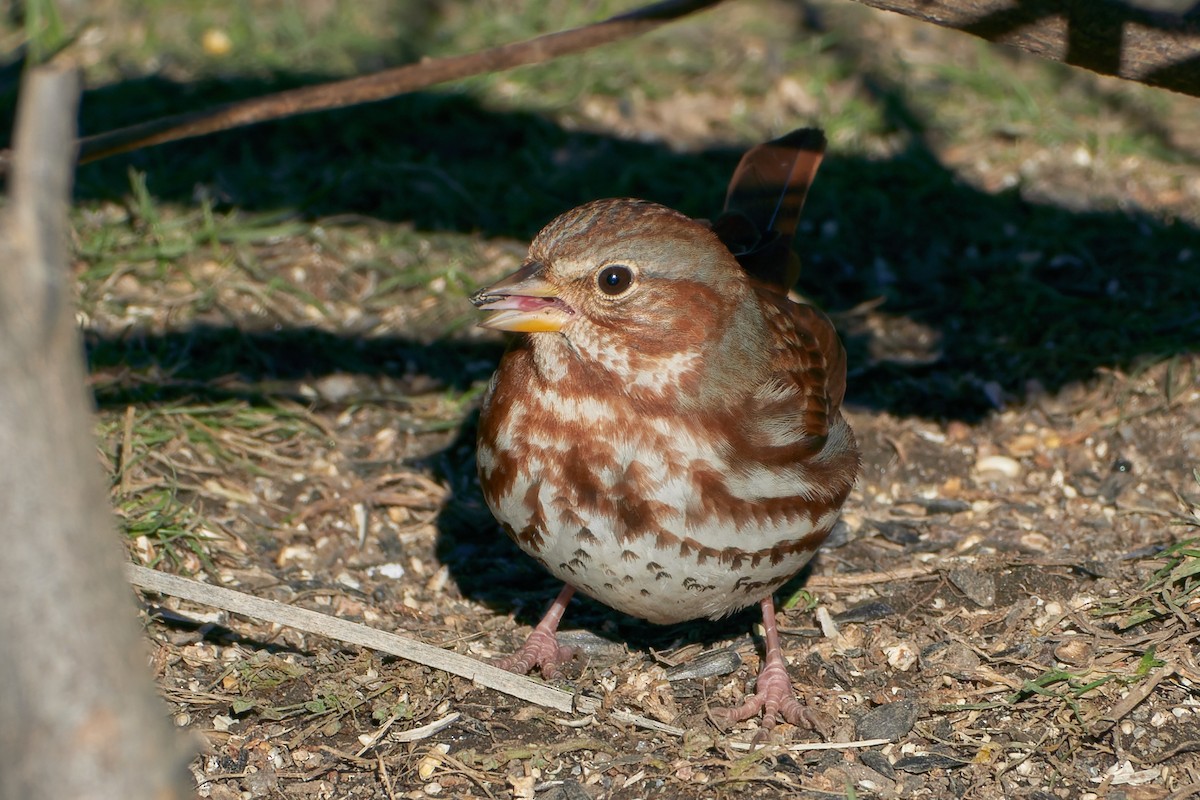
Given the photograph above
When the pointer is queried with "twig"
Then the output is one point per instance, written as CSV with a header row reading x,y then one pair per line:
x,y
870,578
384,779
425,731
127,451
383,85
353,633
1139,693
805,747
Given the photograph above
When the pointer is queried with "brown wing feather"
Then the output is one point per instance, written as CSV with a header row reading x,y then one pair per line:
x,y
809,356
763,204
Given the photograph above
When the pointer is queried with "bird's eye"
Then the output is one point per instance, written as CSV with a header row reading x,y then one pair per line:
x,y
615,279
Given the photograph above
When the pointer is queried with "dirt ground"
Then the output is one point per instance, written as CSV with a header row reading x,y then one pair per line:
x,y
288,378
1016,598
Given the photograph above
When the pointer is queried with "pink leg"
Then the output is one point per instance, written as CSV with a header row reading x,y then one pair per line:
x,y
773,694
541,649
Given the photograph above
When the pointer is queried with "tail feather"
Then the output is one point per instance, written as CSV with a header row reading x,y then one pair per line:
x,y
763,205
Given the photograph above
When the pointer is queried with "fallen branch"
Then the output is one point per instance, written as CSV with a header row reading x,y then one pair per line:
x,y
353,633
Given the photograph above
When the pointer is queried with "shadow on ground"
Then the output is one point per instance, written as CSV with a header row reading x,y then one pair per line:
x,y
998,290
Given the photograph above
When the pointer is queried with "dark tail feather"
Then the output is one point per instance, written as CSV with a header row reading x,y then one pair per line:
x,y
762,207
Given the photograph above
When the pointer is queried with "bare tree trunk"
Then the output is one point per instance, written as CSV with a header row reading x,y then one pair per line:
x,y
1148,41
78,715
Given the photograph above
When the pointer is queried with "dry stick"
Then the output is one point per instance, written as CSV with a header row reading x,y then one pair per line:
x,y
353,633
1103,724
857,579
324,625
384,85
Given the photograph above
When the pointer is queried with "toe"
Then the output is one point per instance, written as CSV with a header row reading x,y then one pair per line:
x,y
541,650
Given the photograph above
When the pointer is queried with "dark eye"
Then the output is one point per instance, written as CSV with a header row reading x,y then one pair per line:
x,y
615,279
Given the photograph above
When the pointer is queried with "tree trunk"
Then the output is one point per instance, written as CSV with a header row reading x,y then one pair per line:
x,y
78,714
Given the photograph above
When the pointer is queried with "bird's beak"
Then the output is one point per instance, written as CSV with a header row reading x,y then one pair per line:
x,y
524,302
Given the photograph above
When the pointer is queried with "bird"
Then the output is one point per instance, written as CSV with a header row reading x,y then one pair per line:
x,y
665,434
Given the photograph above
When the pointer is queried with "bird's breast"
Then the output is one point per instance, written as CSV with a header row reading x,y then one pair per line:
x,y
653,514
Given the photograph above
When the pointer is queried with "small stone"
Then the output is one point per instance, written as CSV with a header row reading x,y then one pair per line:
x,y
567,790
951,658
390,570
260,783
998,465
1024,445
216,42
958,431
1076,652
1036,542
890,721
865,612
979,587
706,665
900,656
336,388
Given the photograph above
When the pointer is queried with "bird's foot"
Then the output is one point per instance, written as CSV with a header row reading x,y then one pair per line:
x,y
540,650
773,693
774,698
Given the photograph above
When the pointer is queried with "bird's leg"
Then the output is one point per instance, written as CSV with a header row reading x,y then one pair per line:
x,y
541,649
773,693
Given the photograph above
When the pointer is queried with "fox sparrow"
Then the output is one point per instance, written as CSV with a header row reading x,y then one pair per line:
x,y
667,438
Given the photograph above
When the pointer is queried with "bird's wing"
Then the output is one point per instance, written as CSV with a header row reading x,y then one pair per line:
x,y
793,410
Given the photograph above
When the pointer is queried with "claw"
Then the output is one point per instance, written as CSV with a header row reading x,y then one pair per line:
x,y
773,695
541,649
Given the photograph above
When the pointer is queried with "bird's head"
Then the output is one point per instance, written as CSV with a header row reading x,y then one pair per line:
x,y
630,285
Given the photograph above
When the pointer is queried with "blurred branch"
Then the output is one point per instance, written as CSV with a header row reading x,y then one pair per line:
x,y
1156,42
387,84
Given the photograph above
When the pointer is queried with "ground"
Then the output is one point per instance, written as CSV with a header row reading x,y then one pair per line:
x,y
288,376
